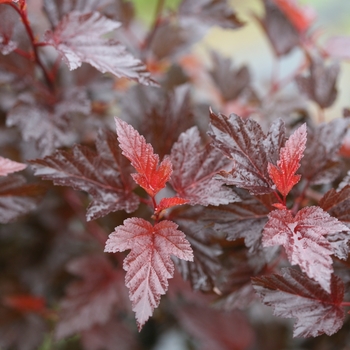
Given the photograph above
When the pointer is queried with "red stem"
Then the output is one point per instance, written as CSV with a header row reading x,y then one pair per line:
x,y
345,303
23,14
301,197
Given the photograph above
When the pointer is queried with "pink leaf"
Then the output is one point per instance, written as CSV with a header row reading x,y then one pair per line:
x,y
151,175
293,295
8,166
283,175
148,265
304,237
79,38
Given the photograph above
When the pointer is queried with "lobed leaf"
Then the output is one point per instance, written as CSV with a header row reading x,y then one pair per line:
x,y
79,38
304,237
283,175
194,170
104,175
148,265
243,141
293,295
151,175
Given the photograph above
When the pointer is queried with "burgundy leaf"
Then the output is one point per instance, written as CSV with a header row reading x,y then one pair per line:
x,y
320,163
275,140
214,328
148,265
209,13
104,175
151,175
155,112
90,300
283,175
79,38
243,141
8,20
320,85
8,166
280,31
293,295
194,168
230,81
245,219
205,268
304,237
17,198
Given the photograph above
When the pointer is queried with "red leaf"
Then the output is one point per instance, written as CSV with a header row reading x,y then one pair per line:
x,y
8,166
293,295
104,175
25,303
89,301
148,265
166,203
151,175
290,155
195,167
79,38
304,238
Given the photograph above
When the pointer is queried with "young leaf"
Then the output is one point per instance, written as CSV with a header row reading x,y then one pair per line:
x,y
243,141
88,301
79,38
293,295
283,175
304,237
194,170
148,265
151,175
104,175
17,198
8,166
166,203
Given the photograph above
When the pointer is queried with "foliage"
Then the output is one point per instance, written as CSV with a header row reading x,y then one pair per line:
x,y
219,204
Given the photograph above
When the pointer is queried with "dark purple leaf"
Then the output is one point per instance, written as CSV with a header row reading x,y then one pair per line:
x,y
320,85
280,31
230,81
243,141
294,295
17,197
90,300
320,163
79,38
205,268
105,175
304,237
194,168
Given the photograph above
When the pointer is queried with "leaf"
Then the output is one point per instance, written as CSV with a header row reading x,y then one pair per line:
x,y
209,13
320,164
194,170
231,82
151,175
148,265
90,300
166,203
304,237
283,175
245,219
206,268
78,38
17,198
293,295
320,85
8,21
243,141
280,31
301,17
104,175
8,166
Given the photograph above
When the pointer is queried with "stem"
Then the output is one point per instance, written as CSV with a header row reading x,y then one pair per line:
x,y
321,115
345,303
23,14
301,197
